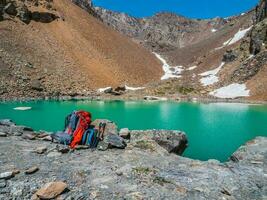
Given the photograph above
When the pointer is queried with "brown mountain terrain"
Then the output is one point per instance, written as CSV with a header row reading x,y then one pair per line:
x,y
55,48
59,49
201,46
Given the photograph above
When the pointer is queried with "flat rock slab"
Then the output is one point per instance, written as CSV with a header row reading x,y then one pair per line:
x,y
3,134
50,190
6,175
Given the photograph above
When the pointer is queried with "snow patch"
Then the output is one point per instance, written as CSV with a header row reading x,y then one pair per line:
x,y
210,76
101,90
213,30
231,91
22,108
192,68
170,71
238,36
134,88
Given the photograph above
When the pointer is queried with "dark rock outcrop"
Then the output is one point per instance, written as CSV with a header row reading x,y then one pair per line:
x,y
250,68
10,9
258,37
43,17
24,14
261,11
229,56
259,31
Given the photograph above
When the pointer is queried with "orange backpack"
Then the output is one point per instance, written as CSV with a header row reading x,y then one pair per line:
x,y
82,125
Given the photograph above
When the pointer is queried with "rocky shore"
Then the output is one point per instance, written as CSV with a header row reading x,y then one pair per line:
x,y
149,167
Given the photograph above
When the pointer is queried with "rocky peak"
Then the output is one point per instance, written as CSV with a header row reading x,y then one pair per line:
x,y
261,11
86,5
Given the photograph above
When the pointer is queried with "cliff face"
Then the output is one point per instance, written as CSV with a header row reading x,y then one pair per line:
x,y
261,11
163,31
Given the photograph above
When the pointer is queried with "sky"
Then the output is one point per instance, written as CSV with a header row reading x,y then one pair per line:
x,y
202,9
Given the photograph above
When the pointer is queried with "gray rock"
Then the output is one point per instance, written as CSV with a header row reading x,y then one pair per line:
x,y
29,136
2,184
173,141
125,133
3,134
31,170
41,150
7,122
36,85
102,146
47,138
111,127
63,149
10,9
6,175
115,141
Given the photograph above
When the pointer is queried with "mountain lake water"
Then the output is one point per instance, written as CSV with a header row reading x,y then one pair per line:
x,y
214,130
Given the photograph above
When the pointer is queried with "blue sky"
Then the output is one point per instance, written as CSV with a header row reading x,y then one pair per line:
x,y
190,8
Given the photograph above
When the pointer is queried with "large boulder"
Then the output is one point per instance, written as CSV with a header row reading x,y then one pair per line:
x,y
111,127
43,17
173,141
112,141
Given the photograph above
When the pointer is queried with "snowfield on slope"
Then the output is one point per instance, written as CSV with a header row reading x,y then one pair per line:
x,y
210,76
231,91
238,36
170,71
133,88
101,90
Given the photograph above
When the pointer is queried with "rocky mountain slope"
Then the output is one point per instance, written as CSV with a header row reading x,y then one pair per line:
x,y
205,58
55,48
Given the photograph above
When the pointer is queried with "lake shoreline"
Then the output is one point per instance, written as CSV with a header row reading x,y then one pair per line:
x,y
132,98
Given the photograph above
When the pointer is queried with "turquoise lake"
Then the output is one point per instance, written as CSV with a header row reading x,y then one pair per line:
x,y
214,130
